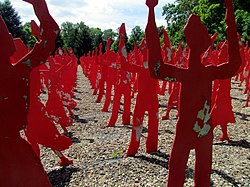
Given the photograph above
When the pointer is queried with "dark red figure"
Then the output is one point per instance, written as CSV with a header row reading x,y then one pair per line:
x,y
19,165
193,130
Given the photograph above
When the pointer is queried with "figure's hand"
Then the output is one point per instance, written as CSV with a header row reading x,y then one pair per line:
x,y
228,2
151,3
33,1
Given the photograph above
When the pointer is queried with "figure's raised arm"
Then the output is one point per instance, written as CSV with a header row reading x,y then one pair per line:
x,y
229,69
49,31
157,68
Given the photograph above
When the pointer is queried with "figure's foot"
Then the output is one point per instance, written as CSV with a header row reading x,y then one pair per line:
x,y
110,125
151,150
223,138
98,101
126,122
131,153
104,110
65,129
165,117
151,3
65,162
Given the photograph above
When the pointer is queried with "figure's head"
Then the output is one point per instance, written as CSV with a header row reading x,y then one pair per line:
x,y
122,30
196,34
109,43
7,44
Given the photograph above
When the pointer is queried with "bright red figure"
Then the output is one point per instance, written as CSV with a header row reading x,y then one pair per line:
x,y
193,130
19,164
123,85
222,110
173,99
103,73
146,100
49,73
41,128
110,61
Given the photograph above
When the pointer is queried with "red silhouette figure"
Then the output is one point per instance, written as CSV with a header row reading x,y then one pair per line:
x,y
110,61
49,73
41,128
123,85
222,100
103,73
146,100
19,164
193,130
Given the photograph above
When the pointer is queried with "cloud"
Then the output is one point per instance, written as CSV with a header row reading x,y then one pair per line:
x,y
104,14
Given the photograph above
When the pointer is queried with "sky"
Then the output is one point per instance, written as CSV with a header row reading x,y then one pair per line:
x,y
104,14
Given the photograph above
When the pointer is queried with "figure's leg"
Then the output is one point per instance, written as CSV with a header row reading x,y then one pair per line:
x,y
203,163
116,107
177,162
64,160
127,104
169,107
224,132
137,129
163,88
153,119
101,91
248,98
107,97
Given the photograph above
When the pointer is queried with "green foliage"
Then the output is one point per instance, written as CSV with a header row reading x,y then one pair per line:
x,y
97,38
243,24
78,37
176,14
31,40
213,16
12,20
212,13
136,36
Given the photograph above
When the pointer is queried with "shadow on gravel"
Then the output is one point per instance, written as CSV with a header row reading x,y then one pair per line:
x,y
239,99
77,91
79,120
243,116
190,175
61,177
226,177
73,139
240,143
162,163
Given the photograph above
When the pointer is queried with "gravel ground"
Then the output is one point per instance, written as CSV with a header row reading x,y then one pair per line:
x,y
98,152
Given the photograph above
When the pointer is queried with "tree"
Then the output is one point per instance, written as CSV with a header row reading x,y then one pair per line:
x,y
136,36
109,33
212,13
31,40
176,14
213,16
12,20
76,36
97,38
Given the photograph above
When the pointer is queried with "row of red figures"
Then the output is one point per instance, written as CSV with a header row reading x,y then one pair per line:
x,y
199,64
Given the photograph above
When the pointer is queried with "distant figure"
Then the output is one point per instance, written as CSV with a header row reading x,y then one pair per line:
x,y
194,130
19,164
110,61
